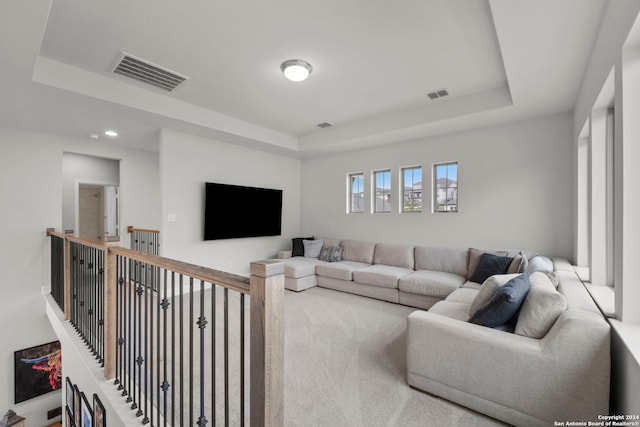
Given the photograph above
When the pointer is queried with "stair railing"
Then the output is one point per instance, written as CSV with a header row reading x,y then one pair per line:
x,y
202,346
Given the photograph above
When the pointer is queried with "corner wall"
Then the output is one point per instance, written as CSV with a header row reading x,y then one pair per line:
x,y
187,162
515,190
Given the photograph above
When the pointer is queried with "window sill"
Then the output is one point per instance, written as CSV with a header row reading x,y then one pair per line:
x,y
630,336
604,297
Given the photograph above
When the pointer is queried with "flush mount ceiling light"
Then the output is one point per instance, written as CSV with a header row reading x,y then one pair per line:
x,y
111,133
296,70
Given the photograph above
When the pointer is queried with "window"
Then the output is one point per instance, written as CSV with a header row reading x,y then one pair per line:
x,y
445,185
356,193
412,189
382,182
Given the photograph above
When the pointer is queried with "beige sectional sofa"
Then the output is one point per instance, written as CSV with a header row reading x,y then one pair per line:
x,y
555,366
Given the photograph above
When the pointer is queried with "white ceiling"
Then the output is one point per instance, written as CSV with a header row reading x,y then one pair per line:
x,y
374,63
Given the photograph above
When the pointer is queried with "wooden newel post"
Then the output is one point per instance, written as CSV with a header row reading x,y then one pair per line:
x,y
67,276
110,321
267,344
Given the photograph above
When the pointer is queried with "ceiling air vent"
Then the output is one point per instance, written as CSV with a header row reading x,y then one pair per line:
x,y
438,94
147,72
325,125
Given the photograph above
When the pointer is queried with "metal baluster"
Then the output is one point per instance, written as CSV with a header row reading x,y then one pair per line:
x,y
119,319
213,353
139,359
173,346
100,307
241,359
202,324
148,332
130,338
226,357
165,383
191,325
181,350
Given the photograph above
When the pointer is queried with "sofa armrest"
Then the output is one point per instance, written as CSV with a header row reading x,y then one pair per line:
x,y
283,254
563,375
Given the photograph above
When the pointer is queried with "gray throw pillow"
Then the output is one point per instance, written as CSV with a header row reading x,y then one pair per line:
x,y
312,248
331,253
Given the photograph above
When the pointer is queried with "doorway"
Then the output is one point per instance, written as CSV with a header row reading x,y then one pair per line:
x,y
97,211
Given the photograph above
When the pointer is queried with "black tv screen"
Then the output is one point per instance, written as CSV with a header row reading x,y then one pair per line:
x,y
234,211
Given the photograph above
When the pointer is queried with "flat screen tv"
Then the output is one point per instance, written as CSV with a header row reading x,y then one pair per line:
x,y
234,211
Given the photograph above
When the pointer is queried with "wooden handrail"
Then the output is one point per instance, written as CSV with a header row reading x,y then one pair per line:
x,y
131,229
96,244
210,275
53,232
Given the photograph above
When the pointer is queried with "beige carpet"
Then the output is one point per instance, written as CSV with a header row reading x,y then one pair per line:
x,y
345,365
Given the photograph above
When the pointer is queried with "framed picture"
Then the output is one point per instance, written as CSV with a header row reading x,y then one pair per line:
x,y
99,414
87,413
38,370
77,403
69,421
70,395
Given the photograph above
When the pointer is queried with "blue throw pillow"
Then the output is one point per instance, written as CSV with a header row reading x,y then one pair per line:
x,y
504,304
490,265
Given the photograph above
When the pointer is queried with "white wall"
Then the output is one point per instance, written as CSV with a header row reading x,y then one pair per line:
x,y
515,190
187,162
31,192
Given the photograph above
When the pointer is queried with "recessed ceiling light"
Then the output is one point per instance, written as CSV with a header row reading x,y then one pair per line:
x,y
296,70
111,133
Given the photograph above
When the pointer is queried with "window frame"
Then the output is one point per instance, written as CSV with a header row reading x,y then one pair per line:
x,y
374,191
434,181
403,186
350,193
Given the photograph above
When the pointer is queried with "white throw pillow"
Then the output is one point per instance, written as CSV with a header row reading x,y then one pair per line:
x,y
312,248
539,263
487,290
541,308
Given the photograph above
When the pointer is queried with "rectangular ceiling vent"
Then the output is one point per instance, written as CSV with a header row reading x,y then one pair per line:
x,y
147,72
325,125
438,94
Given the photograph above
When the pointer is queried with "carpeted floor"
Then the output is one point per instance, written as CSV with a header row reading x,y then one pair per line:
x,y
345,365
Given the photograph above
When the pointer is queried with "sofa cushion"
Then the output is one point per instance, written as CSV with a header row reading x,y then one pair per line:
x,y
395,255
504,304
342,270
331,253
542,307
328,241
312,248
488,265
432,283
297,247
487,290
463,295
358,251
450,260
451,309
298,267
380,275
518,264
